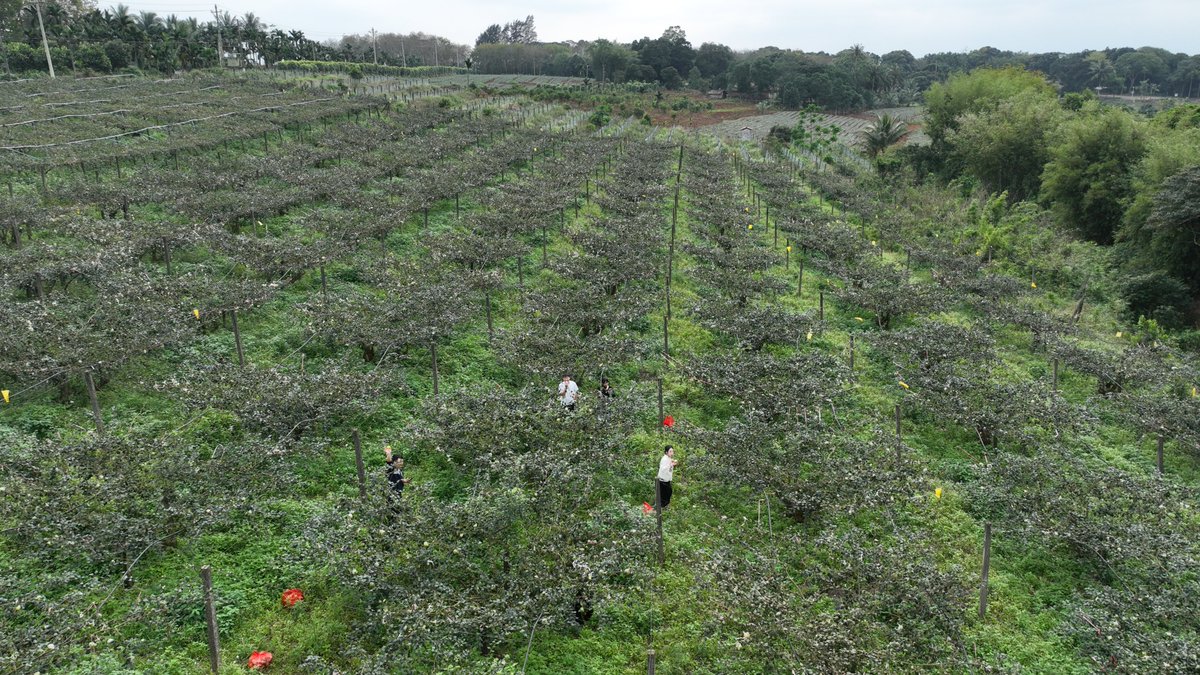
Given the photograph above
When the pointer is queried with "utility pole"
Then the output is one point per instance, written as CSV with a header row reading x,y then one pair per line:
x,y
220,42
403,58
435,53
375,45
45,44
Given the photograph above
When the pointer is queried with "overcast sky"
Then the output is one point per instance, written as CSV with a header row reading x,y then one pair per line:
x,y
920,26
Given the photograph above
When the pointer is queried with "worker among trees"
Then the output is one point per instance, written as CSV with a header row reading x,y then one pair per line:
x,y
568,392
666,472
395,472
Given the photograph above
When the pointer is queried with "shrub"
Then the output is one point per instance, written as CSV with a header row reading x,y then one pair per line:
x,y
118,54
1158,296
601,116
94,58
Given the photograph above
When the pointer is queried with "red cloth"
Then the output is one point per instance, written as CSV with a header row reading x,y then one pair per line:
x,y
291,596
668,421
259,660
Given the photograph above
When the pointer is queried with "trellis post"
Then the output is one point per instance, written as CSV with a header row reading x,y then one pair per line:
x,y
658,513
1160,454
91,390
237,339
210,617
358,464
987,564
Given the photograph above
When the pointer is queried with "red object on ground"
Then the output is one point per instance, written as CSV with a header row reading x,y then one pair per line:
x,y
291,596
646,508
668,421
259,660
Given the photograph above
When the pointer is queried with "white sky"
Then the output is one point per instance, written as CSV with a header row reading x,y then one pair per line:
x,y
920,26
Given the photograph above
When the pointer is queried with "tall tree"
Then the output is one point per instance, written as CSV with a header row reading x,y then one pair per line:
x,y
713,59
610,60
979,90
491,35
1007,147
520,31
1088,181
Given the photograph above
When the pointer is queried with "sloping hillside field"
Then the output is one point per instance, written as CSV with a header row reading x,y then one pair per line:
x,y
899,447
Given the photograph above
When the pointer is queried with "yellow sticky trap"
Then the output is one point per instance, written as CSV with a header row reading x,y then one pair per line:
x,y
858,318
747,209
937,493
4,393
1033,284
750,227
902,384
1194,394
809,338
1118,333
873,243
789,249
196,313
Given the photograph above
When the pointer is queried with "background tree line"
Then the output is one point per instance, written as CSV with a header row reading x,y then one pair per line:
x,y
394,49
853,78
1125,179
108,40
87,39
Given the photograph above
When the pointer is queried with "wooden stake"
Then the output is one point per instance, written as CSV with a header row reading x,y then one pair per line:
x,y
91,390
800,279
1054,384
666,344
488,305
1160,455
358,463
658,512
898,439
671,245
433,357
210,617
661,412
821,307
851,352
237,339
987,564
649,662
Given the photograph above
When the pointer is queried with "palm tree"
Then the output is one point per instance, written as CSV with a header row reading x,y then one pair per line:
x,y
250,36
149,23
122,21
886,132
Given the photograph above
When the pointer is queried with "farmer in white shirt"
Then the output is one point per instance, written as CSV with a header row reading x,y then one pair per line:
x,y
666,471
568,392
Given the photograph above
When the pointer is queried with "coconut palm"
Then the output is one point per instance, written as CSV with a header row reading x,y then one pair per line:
x,y
886,132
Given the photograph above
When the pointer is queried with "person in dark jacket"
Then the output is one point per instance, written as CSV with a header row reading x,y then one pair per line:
x,y
395,472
